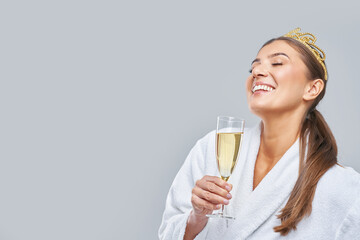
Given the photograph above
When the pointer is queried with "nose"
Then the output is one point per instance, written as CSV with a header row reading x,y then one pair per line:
x,y
259,71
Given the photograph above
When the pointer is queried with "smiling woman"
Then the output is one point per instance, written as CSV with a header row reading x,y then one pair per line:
x,y
287,184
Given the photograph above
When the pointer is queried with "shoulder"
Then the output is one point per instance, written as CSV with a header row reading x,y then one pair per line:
x,y
344,177
205,146
346,181
209,138
336,202
341,185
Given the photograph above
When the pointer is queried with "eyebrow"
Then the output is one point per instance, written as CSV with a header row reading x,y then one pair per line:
x,y
271,56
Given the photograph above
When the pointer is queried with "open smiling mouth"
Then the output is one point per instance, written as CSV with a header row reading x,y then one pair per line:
x,y
262,88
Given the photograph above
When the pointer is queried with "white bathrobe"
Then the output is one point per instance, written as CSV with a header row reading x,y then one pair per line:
x,y
335,208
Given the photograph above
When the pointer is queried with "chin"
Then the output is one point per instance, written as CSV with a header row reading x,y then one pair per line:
x,y
261,110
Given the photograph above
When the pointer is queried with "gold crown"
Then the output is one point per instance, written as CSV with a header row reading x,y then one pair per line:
x,y
309,40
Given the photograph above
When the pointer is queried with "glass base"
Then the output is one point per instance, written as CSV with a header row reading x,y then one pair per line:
x,y
220,215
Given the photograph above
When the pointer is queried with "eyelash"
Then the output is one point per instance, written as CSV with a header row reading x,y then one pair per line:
x,y
274,64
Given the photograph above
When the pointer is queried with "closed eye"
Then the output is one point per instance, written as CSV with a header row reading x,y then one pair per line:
x,y
276,64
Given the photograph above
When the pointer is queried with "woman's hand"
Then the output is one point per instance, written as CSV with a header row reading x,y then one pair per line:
x,y
209,194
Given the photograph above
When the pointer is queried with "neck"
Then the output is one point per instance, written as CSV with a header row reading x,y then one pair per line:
x,y
278,134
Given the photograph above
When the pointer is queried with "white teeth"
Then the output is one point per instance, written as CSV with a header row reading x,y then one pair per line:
x,y
262,87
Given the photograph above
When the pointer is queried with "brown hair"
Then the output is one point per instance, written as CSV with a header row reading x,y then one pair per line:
x,y
318,149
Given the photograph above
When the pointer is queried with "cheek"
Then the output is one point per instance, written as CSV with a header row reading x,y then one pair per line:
x,y
290,95
293,80
249,82
285,75
248,86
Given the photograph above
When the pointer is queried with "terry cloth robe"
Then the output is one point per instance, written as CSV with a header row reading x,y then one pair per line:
x,y
335,208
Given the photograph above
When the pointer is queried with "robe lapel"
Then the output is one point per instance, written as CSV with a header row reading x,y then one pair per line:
x,y
253,208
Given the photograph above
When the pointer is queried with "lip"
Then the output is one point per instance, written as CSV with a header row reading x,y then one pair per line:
x,y
262,83
260,91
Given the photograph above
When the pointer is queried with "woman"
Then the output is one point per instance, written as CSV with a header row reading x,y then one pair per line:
x,y
287,184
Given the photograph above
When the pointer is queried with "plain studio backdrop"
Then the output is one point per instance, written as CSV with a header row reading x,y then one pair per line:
x,y
101,101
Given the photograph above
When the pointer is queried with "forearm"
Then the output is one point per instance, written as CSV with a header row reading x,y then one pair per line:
x,y
195,224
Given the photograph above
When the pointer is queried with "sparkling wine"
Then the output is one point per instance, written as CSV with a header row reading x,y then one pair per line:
x,y
228,147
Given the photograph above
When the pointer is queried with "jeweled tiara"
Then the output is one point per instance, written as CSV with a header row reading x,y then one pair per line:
x,y
309,40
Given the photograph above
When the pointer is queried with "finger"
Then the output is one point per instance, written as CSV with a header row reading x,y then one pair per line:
x,y
218,181
203,207
213,188
209,196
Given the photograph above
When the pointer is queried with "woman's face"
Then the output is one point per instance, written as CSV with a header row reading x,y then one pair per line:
x,y
278,80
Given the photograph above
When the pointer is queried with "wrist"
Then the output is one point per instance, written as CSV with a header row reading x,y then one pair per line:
x,y
194,225
196,218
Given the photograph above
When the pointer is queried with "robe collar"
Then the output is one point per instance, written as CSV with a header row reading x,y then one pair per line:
x,y
253,208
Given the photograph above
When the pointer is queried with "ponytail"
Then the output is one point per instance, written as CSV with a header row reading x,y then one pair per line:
x,y
318,153
318,150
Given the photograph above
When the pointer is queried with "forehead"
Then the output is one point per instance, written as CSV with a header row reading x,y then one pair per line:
x,y
278,46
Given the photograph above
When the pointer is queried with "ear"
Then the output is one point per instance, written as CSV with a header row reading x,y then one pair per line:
x,y
313,89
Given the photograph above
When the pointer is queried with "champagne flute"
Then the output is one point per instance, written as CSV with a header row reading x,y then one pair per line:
x,y
229,133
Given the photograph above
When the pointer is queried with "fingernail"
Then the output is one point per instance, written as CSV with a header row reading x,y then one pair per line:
x,y
228,187
226,201
218,206
228,195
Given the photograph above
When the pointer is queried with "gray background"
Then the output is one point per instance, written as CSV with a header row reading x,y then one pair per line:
x,y
101,101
